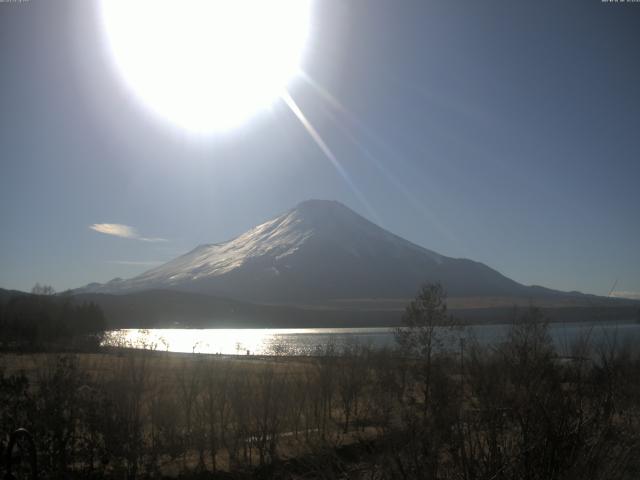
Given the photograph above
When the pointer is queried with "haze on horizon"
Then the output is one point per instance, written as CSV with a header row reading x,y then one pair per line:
x,y
505,133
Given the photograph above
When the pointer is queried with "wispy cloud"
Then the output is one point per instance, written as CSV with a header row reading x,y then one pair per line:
x,y
631,295
141,263
123,231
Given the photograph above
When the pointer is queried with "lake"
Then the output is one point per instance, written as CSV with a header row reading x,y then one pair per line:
x,y
307,341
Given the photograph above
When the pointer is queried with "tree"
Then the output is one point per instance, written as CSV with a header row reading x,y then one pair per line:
x,y
425,324
43,290
418,335
351,381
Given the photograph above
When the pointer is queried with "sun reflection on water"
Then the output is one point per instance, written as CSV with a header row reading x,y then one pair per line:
x,y
232,341
310,341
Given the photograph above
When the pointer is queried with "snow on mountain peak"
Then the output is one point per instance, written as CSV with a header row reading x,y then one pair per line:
x,y
315,224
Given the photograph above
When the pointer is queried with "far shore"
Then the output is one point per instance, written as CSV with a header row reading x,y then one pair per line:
x,y
385,319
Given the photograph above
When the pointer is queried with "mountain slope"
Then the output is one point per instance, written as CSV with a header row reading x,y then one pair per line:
x,y
319,250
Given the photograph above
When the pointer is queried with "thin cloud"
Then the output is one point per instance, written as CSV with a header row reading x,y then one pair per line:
x,y
630,295
122,231
115,229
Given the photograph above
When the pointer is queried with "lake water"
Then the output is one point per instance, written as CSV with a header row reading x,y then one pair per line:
x,y
307,341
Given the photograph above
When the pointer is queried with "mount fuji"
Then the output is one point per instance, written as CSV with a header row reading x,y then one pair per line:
x,y
316,252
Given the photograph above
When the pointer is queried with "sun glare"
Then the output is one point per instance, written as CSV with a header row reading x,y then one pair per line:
x,y
207,65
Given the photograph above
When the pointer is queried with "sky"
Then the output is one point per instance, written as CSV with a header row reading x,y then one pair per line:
x,y
505,132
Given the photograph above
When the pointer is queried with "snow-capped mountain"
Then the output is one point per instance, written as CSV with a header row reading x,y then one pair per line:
x,y
319,250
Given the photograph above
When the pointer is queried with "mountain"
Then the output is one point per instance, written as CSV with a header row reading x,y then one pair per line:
x,y
319,251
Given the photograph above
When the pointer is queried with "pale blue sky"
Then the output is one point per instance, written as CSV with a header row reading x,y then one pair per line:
x,y
505,132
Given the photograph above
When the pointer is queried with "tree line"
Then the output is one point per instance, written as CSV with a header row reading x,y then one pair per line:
x,y
43,319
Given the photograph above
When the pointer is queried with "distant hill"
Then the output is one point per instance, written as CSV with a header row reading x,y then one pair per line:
x,y
162,308
165,308
319,252
175,309
7,294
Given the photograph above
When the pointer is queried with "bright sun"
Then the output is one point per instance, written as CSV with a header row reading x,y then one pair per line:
x,y
207,65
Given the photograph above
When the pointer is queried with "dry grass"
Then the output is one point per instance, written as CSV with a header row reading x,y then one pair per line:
x,y
164,366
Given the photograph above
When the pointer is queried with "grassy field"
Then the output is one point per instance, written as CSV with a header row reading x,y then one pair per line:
x,y
163,387
164,366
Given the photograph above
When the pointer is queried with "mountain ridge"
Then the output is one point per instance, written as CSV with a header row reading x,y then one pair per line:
x,y
317,251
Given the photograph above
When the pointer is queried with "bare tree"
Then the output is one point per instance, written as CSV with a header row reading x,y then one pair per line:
x,y
188,380
352,378
419,337
39,289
